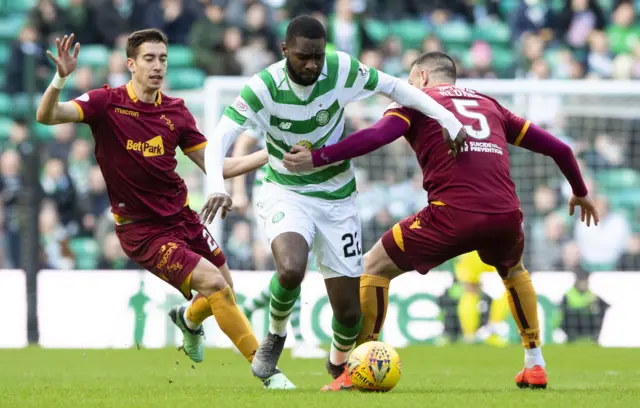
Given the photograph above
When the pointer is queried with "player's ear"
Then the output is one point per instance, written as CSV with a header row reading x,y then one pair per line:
x,y
131,65
283,47
424,76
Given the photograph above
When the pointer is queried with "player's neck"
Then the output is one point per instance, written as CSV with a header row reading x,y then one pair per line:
x,y
143,94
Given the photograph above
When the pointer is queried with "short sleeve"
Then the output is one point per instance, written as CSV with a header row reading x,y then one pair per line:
x,y
400,111
191,139
515,127
247,104
92,105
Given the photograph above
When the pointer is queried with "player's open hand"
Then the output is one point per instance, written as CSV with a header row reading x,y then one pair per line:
x,y
215,202
587,209
298,159
65,61
455,145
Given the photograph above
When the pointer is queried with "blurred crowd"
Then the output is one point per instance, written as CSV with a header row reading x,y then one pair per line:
x,y
566,39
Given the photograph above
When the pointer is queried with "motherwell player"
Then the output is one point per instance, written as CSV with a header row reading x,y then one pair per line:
x,y
472,198
137,131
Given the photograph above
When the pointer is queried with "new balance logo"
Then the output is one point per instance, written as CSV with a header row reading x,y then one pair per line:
x,y
150,148
285,125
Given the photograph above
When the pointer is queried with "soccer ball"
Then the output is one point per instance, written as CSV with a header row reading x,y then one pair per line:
x,y
374,366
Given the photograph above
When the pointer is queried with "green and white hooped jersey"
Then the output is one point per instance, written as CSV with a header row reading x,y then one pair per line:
x,y
268,102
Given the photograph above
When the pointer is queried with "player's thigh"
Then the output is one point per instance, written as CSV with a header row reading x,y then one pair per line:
x,y
162,251
338,242
505,252
378,263
281,212
424,240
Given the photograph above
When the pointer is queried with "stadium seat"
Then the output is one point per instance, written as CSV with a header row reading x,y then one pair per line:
x,y
6,124
493,32
10,26
185,78
180,56
377,30
503,59
5,53
281,29
6,104
94,56
454,33
43,132
18,6
507,7
617,179
86,251
412,32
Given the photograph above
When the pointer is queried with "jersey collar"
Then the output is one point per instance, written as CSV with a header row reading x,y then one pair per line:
x,y
134,98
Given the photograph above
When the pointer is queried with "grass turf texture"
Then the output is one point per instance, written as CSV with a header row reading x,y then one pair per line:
x,y
452,376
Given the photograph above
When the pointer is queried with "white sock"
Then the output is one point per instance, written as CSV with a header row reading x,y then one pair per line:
x,y
533,357
278,327
338,357
189,323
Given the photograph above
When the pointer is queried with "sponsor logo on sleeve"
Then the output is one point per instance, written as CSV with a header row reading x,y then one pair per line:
x,y
240,105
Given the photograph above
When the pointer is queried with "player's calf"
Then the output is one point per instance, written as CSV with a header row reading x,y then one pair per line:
x,y
210,282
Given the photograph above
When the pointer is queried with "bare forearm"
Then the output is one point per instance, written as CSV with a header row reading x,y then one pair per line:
x,y
364,141
540,141
46,113
239,166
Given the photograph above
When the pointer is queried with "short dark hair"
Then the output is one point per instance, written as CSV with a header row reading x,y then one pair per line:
x,y
305,26
437,63
137,38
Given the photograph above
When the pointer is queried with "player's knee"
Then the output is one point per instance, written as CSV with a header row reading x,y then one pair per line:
x,y
207,279
471,287
515,270
291,271
349,316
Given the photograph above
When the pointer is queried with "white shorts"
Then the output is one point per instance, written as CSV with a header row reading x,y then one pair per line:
x,y
259,231
331,228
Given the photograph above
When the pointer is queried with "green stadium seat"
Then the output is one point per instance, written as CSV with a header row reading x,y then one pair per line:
x,y
617,179
6,104
377,30
19,6
180,56
186,78
94,56
281,29
10,26
503,59
412,32
86,251
454,33
493,32
63,3
5,53
6,124
508,7
42,132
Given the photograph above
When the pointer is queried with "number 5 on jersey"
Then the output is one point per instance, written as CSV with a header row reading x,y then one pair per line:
x,y
462,106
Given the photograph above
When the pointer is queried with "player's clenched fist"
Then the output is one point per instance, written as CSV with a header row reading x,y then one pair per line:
x,y
587,209
65,61
215,202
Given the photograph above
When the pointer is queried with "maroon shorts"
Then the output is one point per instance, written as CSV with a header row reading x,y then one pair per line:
x,y
170,247
438,233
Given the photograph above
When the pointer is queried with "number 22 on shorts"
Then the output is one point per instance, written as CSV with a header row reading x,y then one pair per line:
x,y
213,246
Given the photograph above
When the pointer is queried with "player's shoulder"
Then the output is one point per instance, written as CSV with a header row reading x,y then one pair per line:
x,y
171,102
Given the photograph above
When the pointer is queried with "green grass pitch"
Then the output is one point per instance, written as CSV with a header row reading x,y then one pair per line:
x,y
452,376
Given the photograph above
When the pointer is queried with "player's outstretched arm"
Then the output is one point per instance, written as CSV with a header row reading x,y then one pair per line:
x,y
411,97
223,137
538,140
238,167
243,146
51,111
364,141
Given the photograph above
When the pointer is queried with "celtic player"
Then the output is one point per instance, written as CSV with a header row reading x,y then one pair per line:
x,y
300,101
247,142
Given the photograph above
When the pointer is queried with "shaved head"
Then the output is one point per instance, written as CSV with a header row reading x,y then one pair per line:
x,y
431,69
